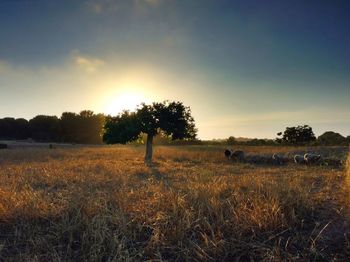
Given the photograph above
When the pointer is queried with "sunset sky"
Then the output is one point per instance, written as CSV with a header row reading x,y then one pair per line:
x,y
246,68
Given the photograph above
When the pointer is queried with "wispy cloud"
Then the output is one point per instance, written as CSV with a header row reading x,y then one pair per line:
x,y
98,7
149,2
101,6
88,64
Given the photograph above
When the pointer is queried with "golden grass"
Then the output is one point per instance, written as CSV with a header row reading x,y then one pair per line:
x,y
104,204
348,165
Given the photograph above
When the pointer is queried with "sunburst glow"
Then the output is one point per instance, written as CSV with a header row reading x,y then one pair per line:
x,y
127,91
125,100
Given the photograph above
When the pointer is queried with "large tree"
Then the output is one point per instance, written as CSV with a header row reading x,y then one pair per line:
x,y
173,119
298,135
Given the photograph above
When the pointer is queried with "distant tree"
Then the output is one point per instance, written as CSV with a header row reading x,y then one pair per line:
x,y
45,128
7,128
90,127
231,141
22,130
85,127
11,128
331,138
172,118
69,127
298,135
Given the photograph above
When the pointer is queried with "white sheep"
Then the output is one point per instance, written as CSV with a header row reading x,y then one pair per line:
x,y
277,159
310,158
299,159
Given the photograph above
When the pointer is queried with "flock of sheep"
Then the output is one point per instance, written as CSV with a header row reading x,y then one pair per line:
x,y
276,159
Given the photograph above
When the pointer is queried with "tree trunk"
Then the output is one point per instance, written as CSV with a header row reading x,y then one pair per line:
x,y
149,149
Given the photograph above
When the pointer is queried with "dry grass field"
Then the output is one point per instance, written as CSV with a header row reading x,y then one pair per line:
x,y
104,204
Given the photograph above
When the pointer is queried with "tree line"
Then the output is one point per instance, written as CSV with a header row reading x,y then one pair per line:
x,y
85,128
90,128
297,135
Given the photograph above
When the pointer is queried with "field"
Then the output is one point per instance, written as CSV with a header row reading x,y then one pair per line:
x,y
104,204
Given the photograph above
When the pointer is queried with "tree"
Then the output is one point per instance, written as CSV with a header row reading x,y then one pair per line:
x,y
69,127
122,128
331,138
85,127
231,141
22,130
45,128
298,135
7,128
173,119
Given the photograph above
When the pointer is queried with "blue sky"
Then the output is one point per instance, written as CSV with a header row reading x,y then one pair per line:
x,y
246,68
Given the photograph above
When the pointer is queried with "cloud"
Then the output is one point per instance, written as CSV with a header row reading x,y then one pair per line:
x,y
101,6
149,2
95,8
88,64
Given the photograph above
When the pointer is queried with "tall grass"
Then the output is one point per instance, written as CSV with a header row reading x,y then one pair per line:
x,y
348,165
104,204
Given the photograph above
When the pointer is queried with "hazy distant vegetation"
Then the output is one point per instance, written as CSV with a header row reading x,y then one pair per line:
x,y
89,128
85,127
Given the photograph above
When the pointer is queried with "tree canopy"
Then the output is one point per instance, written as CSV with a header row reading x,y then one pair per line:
x,y
122,128
297,135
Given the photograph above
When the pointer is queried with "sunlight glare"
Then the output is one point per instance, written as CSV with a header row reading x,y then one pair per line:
x,y
127,100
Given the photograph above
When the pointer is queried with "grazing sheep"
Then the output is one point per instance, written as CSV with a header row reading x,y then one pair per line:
x,y
228,153
310,158
332,162
299,159
238,155
256,159
277,159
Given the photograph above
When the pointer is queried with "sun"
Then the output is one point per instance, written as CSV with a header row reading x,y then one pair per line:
x,y
126,91
125,100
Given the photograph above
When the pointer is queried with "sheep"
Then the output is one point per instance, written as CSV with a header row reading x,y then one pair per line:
x,y
310,158
235,155
238,155
277,159
299,159
228,153
332,162
256,159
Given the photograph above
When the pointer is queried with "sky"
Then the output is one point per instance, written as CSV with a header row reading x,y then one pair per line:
x,y
245,68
